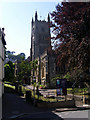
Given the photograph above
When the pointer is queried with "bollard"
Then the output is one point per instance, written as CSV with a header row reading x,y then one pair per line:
x,y
28,96
20,90
37,92
16,88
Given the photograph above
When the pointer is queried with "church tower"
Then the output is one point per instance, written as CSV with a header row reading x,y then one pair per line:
x,y
40,35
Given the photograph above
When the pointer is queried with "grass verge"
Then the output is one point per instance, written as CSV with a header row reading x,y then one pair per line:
x,y
10,86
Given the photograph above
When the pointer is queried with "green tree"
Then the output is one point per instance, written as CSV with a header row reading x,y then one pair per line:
x,y
25,69
9,71
18,57
34,64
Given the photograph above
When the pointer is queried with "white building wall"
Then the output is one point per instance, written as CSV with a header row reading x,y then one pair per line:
x,y
0,69
3,61
0,76
0,47
0,58
1,72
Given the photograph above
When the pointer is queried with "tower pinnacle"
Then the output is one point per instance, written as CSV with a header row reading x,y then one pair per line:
x,y
36,16
48,18
32,21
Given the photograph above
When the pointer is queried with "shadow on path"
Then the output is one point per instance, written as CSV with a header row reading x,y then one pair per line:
x,y
15,105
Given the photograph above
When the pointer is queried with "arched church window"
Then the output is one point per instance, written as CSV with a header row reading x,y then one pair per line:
x,y
43,72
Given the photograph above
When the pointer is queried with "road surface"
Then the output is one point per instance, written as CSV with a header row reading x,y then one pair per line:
x,y
74,115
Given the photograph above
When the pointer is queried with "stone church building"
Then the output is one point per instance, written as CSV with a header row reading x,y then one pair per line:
x,y
40,42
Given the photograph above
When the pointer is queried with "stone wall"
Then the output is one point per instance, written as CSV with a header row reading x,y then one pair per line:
x,y
61,104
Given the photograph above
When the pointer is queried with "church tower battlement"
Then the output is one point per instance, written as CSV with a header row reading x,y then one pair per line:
x,y
40,36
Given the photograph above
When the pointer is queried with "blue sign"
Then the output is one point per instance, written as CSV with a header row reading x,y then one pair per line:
x,y
58,83
59,91
61,83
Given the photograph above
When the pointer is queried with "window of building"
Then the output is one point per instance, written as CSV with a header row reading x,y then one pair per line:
x,y
43,72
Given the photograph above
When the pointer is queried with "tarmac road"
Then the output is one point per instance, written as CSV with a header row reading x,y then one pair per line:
x,y
14,105
75,115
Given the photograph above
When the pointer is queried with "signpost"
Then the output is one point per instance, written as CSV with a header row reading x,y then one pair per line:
x,y
61,85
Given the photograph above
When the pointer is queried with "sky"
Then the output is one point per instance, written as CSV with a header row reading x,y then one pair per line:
x,y
16,16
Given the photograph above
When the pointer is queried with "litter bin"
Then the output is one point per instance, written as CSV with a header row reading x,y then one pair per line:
x,y
28,96
86,100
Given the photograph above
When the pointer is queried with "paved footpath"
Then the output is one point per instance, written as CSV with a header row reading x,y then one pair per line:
x,y
15,105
